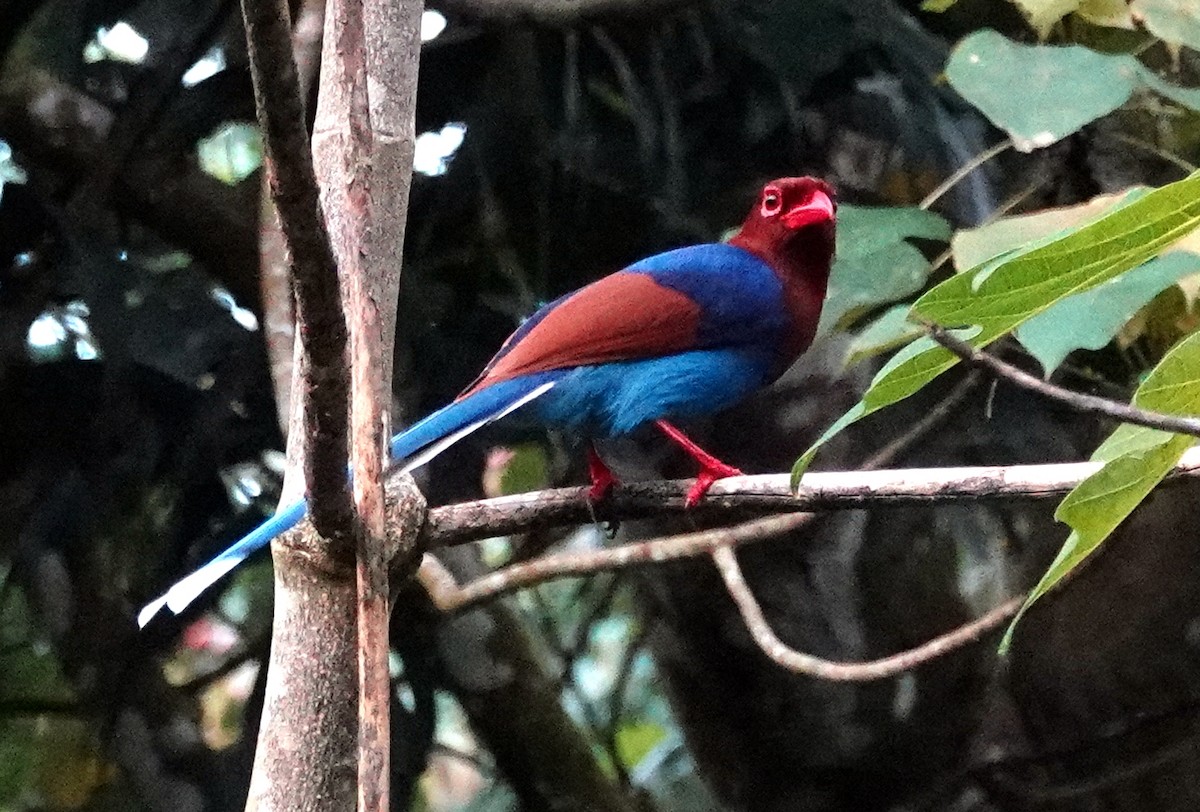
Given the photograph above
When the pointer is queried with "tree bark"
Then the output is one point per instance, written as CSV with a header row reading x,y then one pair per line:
x,y
306,743
363,139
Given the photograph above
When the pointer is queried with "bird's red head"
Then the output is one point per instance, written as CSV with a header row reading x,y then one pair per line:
x,y
792,226
786,208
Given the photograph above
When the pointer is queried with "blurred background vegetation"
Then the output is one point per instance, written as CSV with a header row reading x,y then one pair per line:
x,y
142,327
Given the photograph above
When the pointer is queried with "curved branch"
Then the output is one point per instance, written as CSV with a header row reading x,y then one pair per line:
x,y
1080,402
964,170
801,663
720,543
451,598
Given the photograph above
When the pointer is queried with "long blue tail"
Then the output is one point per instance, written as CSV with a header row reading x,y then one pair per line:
x,y
415,446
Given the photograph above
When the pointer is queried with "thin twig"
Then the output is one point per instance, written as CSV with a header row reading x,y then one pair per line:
x,y
672,133
1001,211
854,489
256,650
964,170
1158,151
451,599
641,113
1088,404
789,658
275,277
39,707
932,419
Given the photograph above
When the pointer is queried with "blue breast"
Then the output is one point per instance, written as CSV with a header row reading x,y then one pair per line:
x,y
607,400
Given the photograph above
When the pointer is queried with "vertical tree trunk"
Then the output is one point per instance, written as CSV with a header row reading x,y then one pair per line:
x,y
307,740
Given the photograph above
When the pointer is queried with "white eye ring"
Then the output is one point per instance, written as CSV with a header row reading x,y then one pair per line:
x,y
772,203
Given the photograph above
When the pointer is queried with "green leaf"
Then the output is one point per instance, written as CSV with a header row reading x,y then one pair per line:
x,y
861,409
1176,21
1043,14
996,297
937,6
1021,285
232,153
875,262
1109,13
974,246
1038,94
1135,460
526,471
1090,320
889,331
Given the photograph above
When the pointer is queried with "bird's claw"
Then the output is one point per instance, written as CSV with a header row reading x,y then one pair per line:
x,y
597,507
603,479
600,490
704,480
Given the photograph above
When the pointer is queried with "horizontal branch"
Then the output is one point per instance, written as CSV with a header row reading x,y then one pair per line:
x,y
1080,402
862,488
765,493
802,663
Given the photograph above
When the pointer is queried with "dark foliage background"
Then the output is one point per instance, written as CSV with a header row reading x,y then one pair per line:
x,y
137,421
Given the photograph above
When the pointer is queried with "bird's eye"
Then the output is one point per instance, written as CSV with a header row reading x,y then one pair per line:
x,y
772,203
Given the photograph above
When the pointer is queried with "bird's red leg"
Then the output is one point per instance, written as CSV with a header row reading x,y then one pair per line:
x,y
603,479
711,468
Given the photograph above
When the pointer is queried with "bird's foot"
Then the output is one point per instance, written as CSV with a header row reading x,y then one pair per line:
x,y
603,479
710,473
711,468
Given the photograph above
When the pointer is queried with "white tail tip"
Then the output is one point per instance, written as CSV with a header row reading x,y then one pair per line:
x,y
187,589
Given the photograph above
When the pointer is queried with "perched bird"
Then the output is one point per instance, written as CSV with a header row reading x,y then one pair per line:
x,y
677,335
